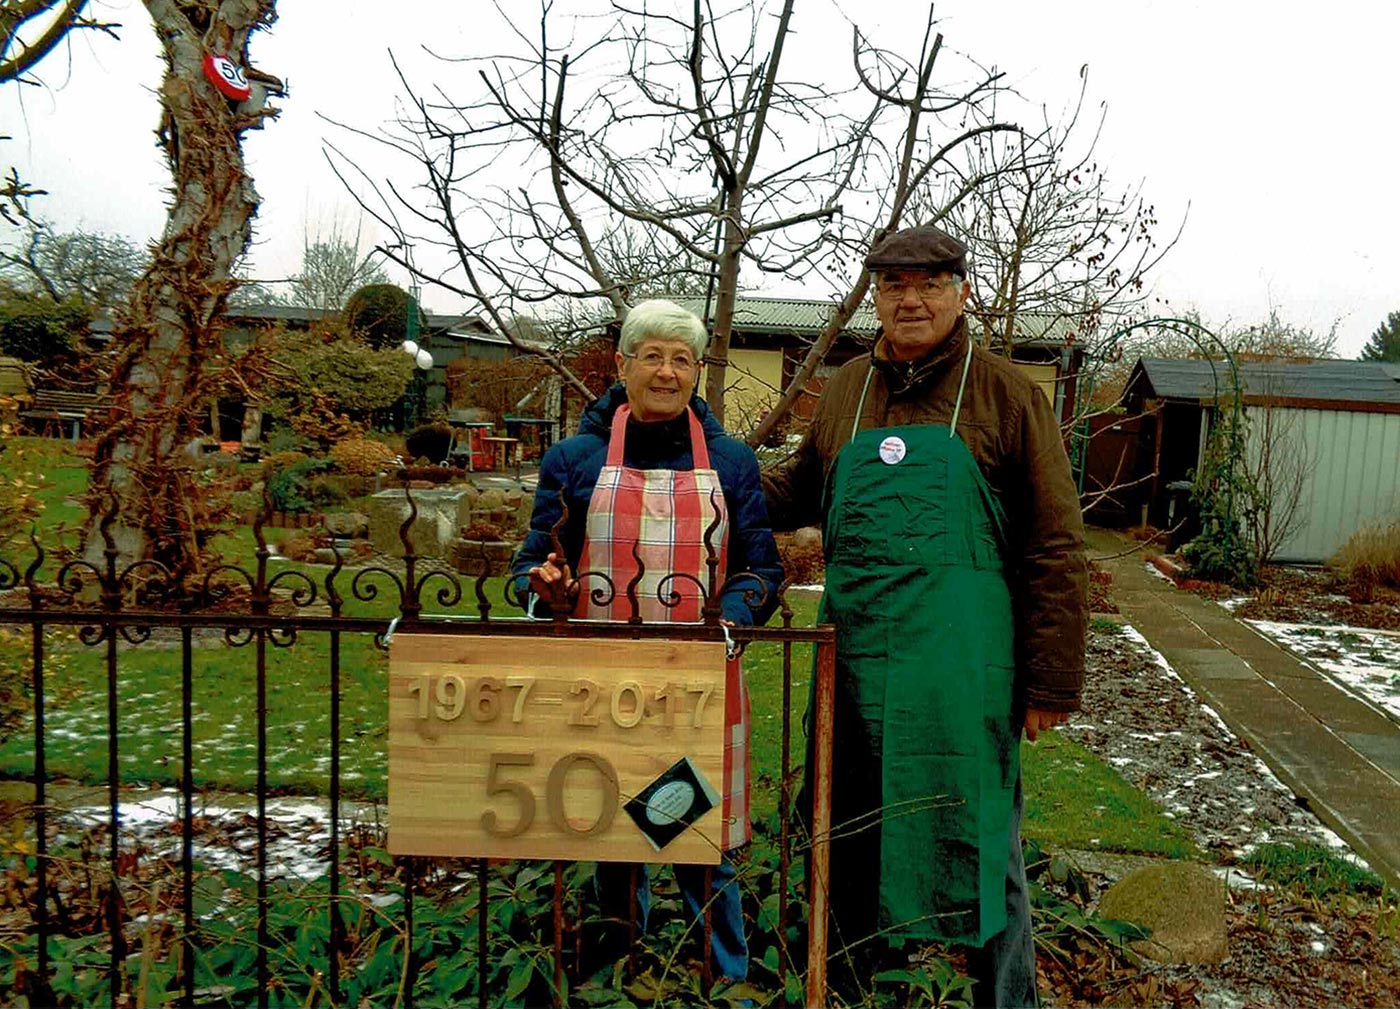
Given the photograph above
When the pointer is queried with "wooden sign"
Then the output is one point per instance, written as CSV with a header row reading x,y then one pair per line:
x,y
575,749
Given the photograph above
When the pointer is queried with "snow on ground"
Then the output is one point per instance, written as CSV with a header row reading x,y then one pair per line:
x,y
1141,717
1361,661
225,835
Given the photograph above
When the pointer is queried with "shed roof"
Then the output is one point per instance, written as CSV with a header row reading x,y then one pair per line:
x,y
1313,383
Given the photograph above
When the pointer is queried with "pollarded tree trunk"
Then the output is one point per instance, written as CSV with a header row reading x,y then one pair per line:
x,y
169,338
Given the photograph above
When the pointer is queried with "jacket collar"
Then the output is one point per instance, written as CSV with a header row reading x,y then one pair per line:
x,y
597,417
903,376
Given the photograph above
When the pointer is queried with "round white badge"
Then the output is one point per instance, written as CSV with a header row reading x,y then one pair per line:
x,y
670,802
892,449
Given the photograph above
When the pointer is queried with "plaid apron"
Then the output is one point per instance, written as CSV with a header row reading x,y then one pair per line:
x,y
665,513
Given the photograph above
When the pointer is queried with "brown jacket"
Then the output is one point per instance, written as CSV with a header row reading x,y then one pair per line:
x,y
1011,430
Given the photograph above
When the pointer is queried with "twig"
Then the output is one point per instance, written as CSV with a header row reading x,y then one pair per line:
x,y
1145,543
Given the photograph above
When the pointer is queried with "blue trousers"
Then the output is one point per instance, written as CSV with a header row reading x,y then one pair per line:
x,y
1003,969
728,947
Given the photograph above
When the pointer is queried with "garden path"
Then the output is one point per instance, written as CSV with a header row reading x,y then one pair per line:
x,y
1337,751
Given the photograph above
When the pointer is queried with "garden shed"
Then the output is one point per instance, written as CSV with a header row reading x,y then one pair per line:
x,y
1323,438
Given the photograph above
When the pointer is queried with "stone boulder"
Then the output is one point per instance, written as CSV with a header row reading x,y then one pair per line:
x,y
442,513
481,557
349,525
1181,902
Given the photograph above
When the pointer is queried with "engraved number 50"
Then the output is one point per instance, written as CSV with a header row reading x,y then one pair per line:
x,y
553,793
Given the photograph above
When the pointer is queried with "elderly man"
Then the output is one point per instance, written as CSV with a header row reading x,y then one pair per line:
x,y
957,582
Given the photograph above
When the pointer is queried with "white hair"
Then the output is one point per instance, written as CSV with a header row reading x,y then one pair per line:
x,y
659,319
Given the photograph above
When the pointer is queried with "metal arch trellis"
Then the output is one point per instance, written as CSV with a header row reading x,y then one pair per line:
x,y
1195,332
108,601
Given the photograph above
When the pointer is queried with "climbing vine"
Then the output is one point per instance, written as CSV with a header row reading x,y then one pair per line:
x,y
170,362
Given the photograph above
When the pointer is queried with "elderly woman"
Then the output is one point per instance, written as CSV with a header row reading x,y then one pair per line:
x,y
650,447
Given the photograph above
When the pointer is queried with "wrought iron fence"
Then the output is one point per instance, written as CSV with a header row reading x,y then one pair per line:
x,y
118,607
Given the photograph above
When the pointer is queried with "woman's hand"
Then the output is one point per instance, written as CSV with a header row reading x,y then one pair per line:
x,y
552,577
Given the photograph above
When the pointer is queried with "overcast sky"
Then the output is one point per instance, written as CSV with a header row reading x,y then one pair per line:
x,y
1274,123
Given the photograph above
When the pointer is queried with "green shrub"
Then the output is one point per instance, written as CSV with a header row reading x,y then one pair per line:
x,y
430,441
325,492
286,440
34,328
290,488
1224,493
378,314
363,456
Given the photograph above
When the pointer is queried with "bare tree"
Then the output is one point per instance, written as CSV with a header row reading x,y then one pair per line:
x,y
169,348
1057,249
701,141
333,267
31,29
96,268
1277,462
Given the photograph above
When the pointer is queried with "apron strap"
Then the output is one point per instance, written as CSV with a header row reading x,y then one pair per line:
x,y
957,406
962,385
618,436
860,406
699,451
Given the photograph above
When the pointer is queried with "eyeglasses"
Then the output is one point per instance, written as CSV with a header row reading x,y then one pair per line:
x,y
681,364
925,286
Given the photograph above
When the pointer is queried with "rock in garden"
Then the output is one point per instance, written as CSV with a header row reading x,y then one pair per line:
x,y
352,525
1181,902
490,500
440,514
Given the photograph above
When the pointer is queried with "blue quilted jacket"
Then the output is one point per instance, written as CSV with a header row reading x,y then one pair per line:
x,y
574,464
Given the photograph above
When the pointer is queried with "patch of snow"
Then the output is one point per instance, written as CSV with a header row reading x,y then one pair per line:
x,y
1362,661
1153,569
1234,602
297,830
1237,879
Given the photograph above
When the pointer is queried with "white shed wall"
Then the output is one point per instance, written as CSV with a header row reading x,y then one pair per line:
x,y
1352,478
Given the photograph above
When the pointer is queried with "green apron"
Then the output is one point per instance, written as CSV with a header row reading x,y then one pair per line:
x,y
926,741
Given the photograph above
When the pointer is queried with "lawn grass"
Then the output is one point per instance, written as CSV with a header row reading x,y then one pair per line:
x,y
1312,869
58,474
1072,798
1075,800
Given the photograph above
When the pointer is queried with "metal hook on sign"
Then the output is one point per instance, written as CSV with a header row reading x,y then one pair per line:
x,y
731,647
389,634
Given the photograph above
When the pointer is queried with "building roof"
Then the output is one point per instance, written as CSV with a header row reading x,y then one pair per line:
x,y
456,324
1318,384
788,315
808,317
466,326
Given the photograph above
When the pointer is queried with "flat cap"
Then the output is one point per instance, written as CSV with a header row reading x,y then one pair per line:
x,y
920,248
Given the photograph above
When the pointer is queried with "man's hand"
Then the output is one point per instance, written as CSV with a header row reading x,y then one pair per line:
x,y
551,576
1037,720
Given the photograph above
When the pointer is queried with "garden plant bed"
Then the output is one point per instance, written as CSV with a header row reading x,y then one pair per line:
x,y
1289,945
1296,595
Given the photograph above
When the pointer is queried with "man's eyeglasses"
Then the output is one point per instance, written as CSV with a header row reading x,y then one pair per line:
x,y
681,364
925,286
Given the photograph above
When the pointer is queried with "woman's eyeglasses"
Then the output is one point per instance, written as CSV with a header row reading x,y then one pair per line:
x,y
681,364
